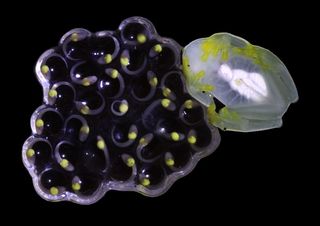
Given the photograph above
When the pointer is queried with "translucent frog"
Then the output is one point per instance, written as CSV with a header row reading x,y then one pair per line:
x,y
252,83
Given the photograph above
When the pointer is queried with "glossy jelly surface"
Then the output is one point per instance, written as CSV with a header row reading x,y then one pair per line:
x,y
116,115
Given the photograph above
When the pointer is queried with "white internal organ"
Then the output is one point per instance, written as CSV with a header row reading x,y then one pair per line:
x,y
251,85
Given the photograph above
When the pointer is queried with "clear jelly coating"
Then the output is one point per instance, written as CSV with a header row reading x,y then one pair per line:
x,y
115,116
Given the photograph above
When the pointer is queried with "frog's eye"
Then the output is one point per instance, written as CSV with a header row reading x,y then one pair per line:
x,y
252,83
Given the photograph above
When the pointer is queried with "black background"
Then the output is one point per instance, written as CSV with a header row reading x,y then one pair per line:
x,y
255,174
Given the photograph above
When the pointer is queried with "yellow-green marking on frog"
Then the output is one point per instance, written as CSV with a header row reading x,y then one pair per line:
x,y
215,45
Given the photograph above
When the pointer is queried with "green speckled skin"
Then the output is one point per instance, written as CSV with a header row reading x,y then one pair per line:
x,y
253,84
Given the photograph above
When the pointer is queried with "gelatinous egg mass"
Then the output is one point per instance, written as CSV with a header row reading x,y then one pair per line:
x,y
116,114
252,87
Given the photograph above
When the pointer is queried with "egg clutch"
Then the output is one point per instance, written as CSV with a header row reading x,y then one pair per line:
x,y
129,110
